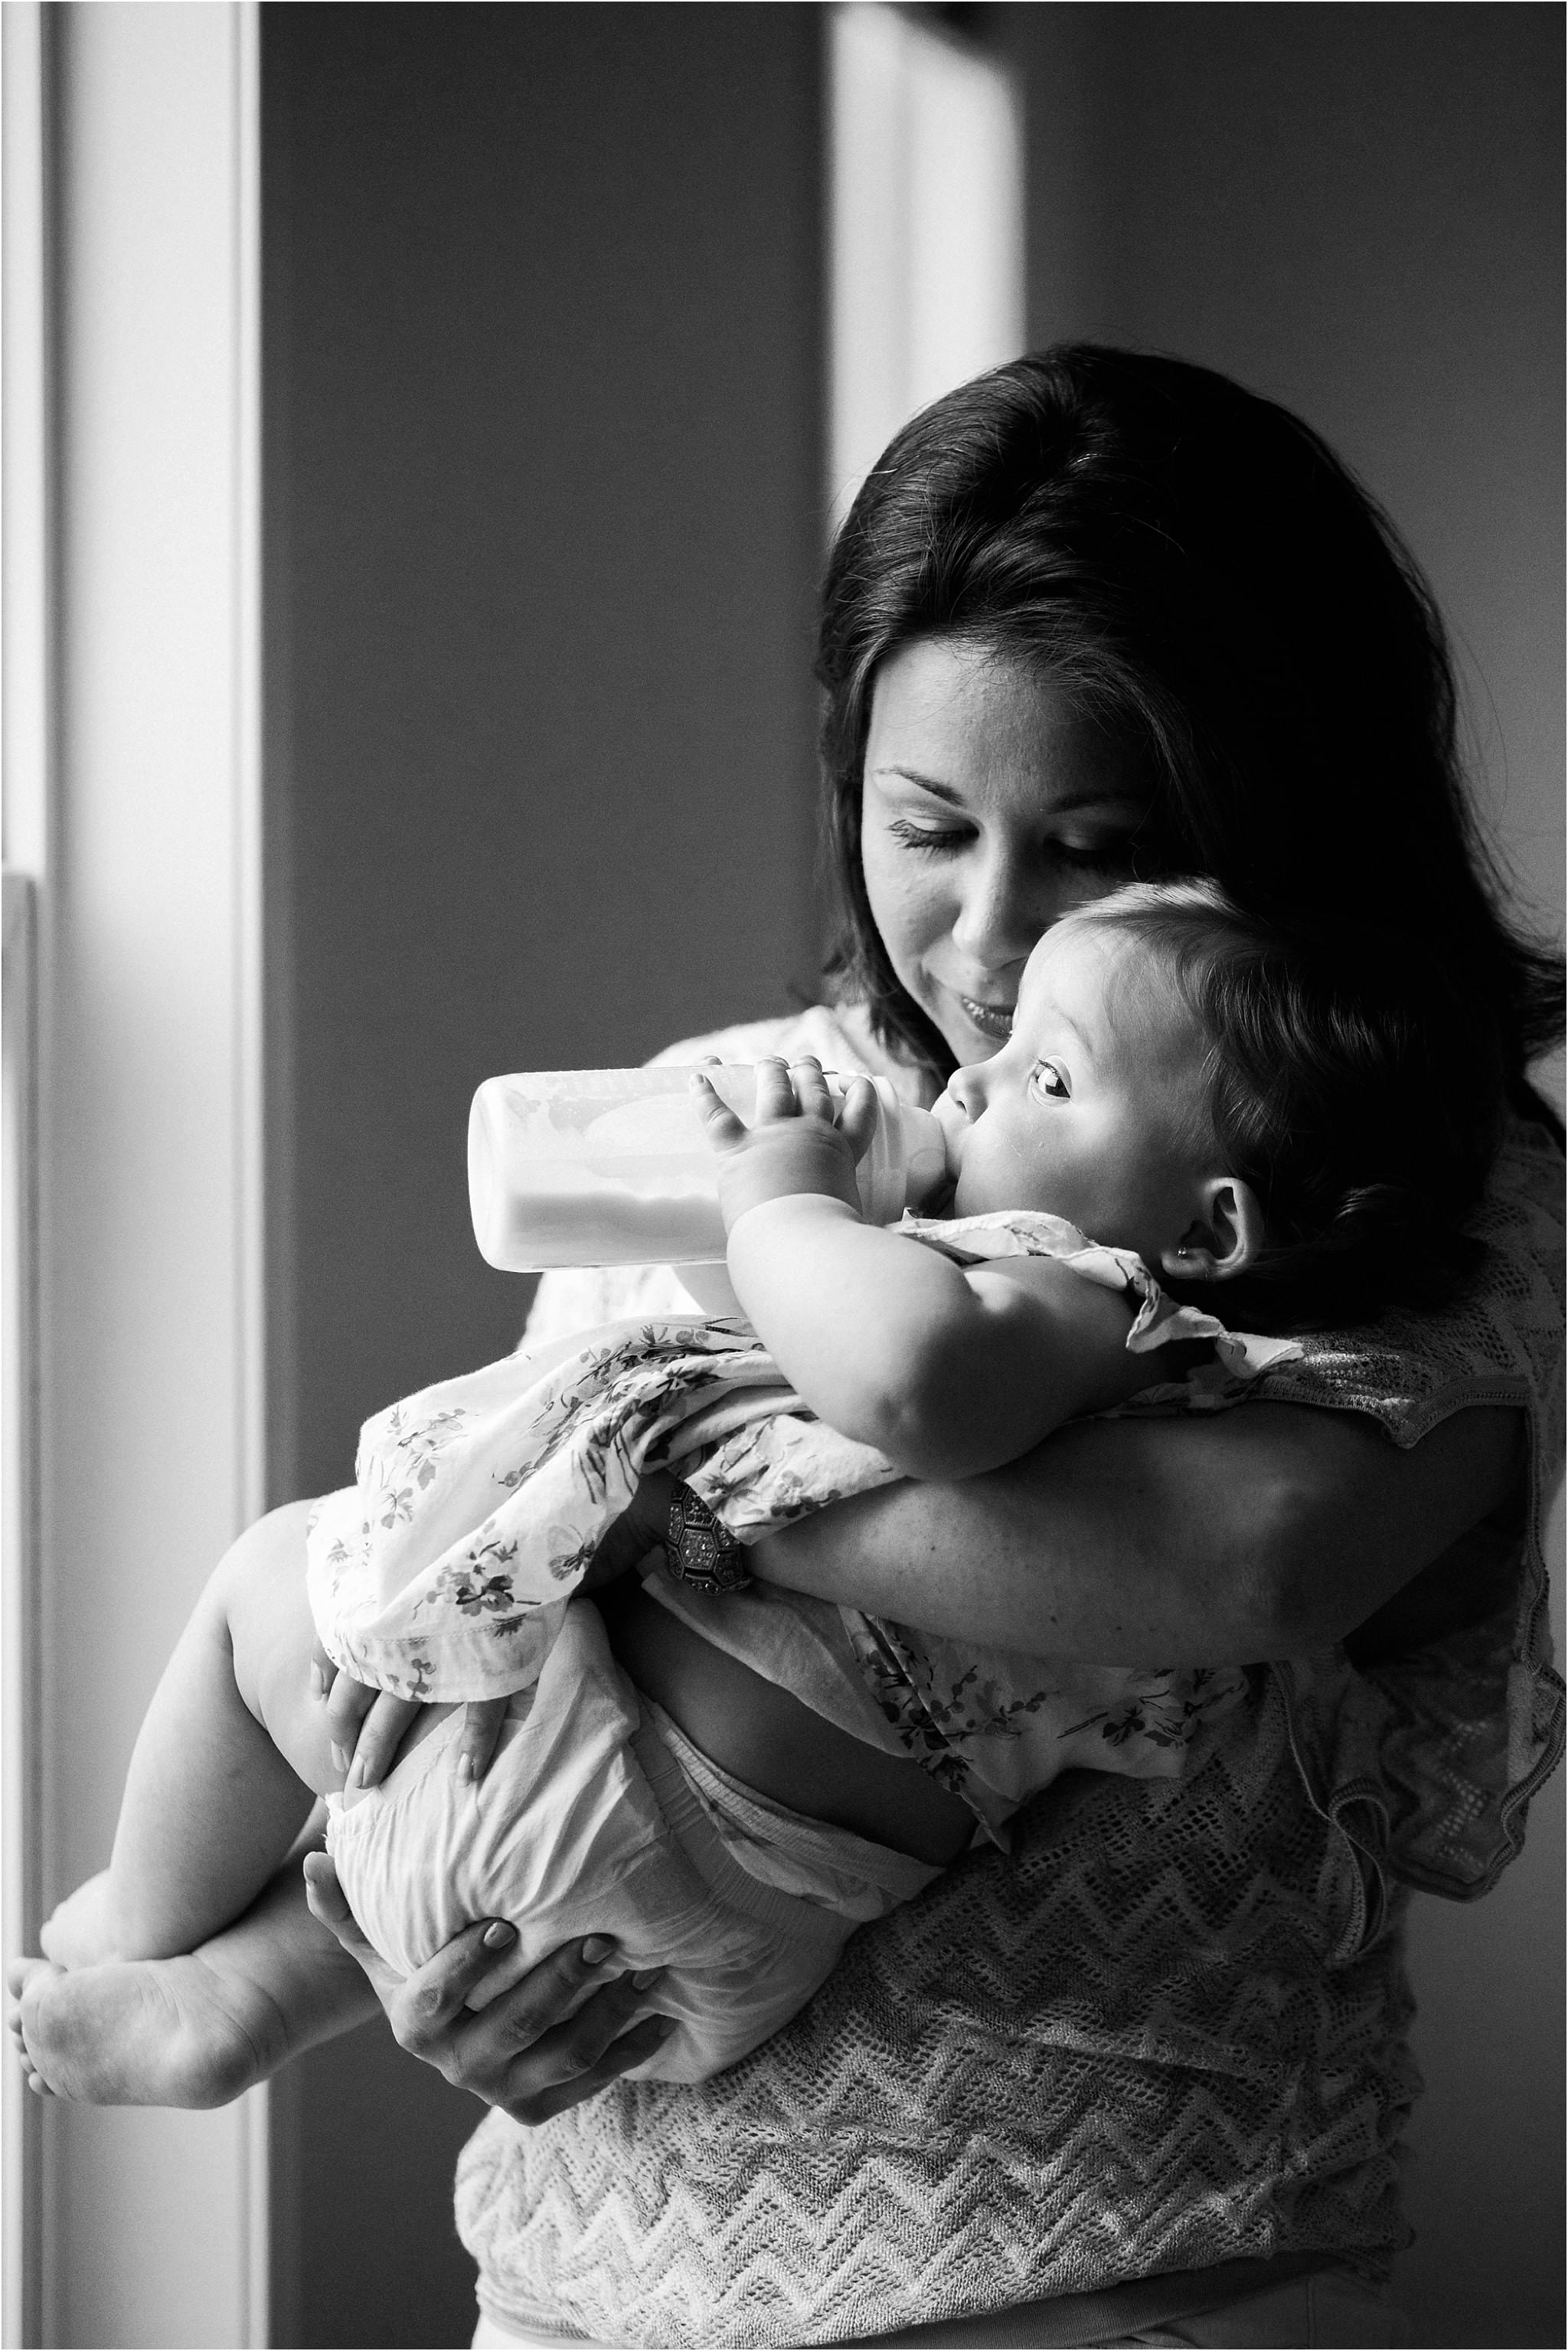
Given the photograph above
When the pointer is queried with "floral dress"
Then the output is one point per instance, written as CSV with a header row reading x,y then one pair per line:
x,y
444,1573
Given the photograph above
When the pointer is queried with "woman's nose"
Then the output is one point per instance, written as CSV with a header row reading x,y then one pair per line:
x,y
996,923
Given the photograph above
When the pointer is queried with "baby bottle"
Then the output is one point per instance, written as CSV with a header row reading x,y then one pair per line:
x,y
614,1167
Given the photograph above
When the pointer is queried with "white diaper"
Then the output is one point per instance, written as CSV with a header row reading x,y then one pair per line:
x,y
598,1816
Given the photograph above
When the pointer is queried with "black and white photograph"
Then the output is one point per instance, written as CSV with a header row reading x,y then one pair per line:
x,y
783,1097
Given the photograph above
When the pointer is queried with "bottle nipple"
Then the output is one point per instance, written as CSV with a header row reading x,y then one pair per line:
x,y
925,1155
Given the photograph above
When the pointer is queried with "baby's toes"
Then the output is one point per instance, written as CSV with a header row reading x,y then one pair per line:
x,y
24,2018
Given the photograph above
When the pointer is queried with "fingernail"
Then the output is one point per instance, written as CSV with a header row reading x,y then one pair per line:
x,y
340,1758
497,1935
597,1948
318,1680
647,1976
465,1769
356,1772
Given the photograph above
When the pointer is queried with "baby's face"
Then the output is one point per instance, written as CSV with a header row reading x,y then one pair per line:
x,y
1090,1109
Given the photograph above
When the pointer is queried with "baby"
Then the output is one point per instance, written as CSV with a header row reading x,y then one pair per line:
x,y
1215,1108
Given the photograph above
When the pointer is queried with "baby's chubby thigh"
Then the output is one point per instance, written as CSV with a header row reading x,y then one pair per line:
x,y
259,1586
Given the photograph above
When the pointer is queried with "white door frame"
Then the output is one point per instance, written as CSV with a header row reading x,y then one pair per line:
x,y
133,807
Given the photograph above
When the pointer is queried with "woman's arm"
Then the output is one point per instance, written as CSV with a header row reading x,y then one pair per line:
x,y
1259,1533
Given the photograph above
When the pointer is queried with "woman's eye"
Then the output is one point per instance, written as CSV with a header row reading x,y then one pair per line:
x,y
928,839
1051,1080
1098,857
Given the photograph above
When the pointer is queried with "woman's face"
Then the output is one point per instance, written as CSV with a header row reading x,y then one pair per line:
x,y
990,808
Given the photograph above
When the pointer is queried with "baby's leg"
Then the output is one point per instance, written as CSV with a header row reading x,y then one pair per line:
x,y
228,1762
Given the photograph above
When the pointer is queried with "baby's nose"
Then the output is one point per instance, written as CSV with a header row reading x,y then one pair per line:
x,y
967,1089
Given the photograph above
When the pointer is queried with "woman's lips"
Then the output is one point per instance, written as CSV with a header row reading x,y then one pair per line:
x,y
990,1020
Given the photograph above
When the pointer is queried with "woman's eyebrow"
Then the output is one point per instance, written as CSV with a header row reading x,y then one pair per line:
x,y
1072,804
926,783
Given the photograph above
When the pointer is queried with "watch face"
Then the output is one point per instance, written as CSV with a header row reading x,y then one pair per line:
x,y
699,1550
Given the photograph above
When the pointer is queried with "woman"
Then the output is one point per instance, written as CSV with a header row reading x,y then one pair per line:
x,y
1095,615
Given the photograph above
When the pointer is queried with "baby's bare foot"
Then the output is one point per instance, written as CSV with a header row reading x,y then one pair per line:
x,y
80,1932
142,2032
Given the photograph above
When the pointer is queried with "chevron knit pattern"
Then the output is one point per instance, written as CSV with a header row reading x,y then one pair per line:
x,y
1128,2050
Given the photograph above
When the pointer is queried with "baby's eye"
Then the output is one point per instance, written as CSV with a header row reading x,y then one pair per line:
x,y
1048,1078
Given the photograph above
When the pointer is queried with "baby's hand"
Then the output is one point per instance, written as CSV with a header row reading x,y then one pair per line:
x,y
367,1727
796,1142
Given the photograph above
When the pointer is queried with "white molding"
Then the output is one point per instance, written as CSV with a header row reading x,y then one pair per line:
x,y
21,2149
150,1291
925,226
25,777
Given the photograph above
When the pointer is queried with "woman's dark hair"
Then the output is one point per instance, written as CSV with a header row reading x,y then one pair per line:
x,y
1352,1087
1201,574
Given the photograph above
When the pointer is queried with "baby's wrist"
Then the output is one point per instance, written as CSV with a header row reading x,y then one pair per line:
x,y
771,1221
799,1166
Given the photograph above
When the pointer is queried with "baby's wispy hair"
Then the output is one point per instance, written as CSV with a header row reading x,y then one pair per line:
x,y
1344,1078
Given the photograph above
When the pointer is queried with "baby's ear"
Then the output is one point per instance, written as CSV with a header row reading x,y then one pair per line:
x,y
1223,1239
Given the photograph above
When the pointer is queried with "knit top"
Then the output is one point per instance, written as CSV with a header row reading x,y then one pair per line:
x,y
1167,2031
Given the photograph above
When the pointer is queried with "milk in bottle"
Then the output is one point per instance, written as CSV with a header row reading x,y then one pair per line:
x,y
613,1167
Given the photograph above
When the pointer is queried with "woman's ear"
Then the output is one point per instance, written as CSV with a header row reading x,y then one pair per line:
x,y
1224,1239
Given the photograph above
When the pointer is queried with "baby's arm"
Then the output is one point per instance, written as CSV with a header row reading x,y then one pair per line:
x,y
947,1370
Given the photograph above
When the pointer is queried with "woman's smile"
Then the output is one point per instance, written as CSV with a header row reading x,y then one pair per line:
x,y
992,806
991,1020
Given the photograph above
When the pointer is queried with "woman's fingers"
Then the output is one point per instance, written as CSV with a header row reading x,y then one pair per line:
x,y
422,2008
381,1733
348,1703
640,1529
482,1720
328,1905
522,2051
531,2105
323,1671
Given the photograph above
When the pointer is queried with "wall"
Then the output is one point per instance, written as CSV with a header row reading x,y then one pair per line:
x,y
543,518
1357,211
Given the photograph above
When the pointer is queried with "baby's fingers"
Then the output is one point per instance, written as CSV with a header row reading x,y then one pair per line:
x,y
381,1736
720,1124
857,1118
482,1720
775,1090
811,1089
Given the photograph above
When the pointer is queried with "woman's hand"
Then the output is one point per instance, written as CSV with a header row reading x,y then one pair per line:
x,y
550,2040
639,1531
366,1727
